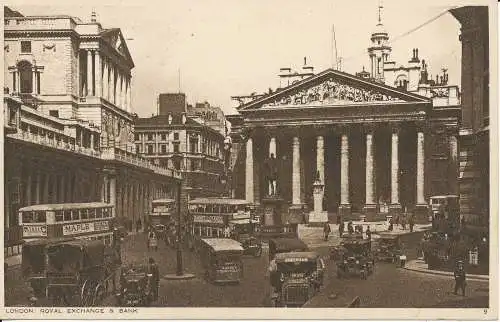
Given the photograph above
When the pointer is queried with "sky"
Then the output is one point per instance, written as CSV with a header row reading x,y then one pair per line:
x,y
222,48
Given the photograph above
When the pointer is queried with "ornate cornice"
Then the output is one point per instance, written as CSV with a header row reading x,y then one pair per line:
x,y
8,34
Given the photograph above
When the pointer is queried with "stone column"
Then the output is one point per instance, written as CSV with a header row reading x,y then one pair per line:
x,y
370,208
249,193
395,207
18,82
105,81
112,83
34,81
63,189
112,193
420,168
97,73
320,158
38,188
272,150
29,198
125,95
454,164
90,85
421,207
129,94
345,204
296,171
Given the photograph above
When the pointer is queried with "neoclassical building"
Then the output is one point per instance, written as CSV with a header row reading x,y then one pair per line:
x,y
378,142
69,122
369,144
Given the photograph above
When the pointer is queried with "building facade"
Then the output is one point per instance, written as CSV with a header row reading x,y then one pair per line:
x,y
372,147
177,141
474,128
69,122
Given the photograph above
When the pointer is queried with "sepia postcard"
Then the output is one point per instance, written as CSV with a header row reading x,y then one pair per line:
x,y
222,159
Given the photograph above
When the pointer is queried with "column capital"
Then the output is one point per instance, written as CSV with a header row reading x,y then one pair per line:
x,y
369,128
342,129
396,127
420,126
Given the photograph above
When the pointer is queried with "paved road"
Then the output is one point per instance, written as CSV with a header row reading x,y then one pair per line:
x,y
388,287
391,287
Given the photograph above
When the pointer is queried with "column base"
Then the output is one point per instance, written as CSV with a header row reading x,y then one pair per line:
x,y
394,210
296,215
318,217
370,212
421,212
344,212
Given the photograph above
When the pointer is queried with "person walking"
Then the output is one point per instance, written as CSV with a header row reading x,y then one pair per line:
x,y
341,228
326,230
155,272
391,224
411,222
350,228
460,277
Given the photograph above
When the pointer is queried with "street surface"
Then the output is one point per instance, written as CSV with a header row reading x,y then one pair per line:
x,y
389,286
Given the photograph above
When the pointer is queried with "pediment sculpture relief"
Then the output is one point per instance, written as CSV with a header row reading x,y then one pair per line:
x,y
330,92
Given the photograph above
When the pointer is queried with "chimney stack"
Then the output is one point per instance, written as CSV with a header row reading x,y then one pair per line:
x,y
93,17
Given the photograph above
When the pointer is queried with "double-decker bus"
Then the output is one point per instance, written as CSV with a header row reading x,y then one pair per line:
x,y
91,221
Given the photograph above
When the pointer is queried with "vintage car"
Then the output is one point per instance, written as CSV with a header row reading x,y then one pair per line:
x,y
388,248
285,245
296,277
70,271
246,232
136,286
355,258
221,260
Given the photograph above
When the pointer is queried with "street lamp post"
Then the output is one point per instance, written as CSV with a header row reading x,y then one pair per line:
x,y
179,234
179,274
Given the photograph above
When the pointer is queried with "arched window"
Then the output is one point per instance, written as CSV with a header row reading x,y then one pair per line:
x,y
25,76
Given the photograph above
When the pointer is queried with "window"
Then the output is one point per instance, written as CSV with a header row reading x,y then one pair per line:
x,y
26,76
137,148
25,47
177,164
150,149
150,137
54,113
163,137
176,136
136,137
59,215
163,148
176,147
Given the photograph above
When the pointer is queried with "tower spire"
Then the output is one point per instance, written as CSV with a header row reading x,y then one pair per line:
x,y
380,7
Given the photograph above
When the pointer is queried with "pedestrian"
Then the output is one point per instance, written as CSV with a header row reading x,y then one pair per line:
x,y
350,228
391,224
304,214
460,277
227,232
326,230
411,222
396,223
368,233
341,228
154,271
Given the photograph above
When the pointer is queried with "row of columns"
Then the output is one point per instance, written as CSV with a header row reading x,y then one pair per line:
x,y
344,166
110,82
35,80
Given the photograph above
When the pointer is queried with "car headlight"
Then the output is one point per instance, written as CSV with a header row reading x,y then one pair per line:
x,y
357,262
345,262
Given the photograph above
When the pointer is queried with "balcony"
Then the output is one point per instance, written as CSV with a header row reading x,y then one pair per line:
x,y
51,142
132,159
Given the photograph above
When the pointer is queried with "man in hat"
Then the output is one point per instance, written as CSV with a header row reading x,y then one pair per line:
x,y
460,277
155,272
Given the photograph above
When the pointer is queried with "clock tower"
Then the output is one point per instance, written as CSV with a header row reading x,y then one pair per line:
x,y
379,50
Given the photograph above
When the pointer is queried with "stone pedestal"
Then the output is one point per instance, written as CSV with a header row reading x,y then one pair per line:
x,y
296,214
318,215
272,211
421,213
370,211
394,210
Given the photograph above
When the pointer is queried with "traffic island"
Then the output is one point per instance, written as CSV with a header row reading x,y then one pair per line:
x,y
421,267
182,277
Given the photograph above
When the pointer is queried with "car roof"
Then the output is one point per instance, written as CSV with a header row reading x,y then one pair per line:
x,y
388,236
218,201
222,244
63,206
288,243
164,200
296,255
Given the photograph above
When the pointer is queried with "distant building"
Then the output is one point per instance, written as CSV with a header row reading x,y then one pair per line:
x,y
171,103
176,140
211,116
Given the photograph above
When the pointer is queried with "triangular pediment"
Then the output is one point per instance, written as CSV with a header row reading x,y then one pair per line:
x,y
115,39
331,87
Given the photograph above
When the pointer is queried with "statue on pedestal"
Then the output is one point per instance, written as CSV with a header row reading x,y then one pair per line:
x,y
271,174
